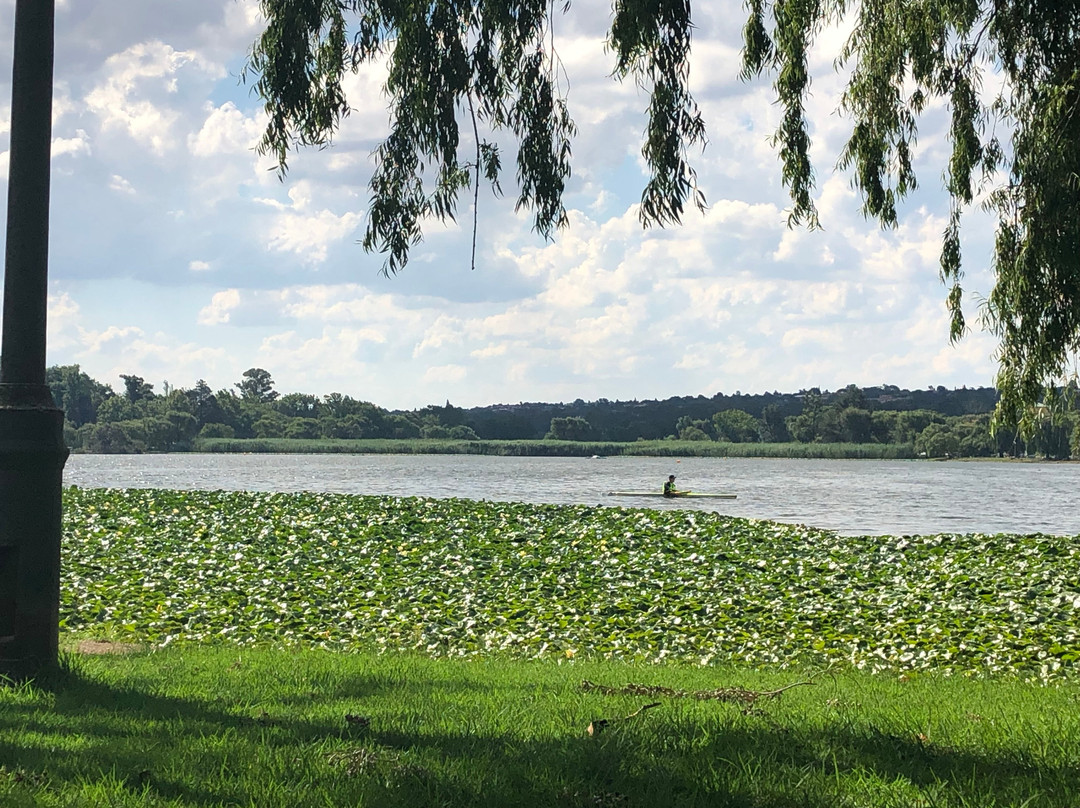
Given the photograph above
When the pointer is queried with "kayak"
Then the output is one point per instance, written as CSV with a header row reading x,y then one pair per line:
x,y
658,494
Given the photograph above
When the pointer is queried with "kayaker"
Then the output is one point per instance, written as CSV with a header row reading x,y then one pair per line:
x,y
669,487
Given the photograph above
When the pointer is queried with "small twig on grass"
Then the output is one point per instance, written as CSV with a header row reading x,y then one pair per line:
x,y
599,724
736,695
355,761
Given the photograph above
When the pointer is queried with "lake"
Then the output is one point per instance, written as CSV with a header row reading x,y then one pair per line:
x,y
854,497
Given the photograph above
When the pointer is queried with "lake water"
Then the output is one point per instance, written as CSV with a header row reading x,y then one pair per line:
x,y
853,497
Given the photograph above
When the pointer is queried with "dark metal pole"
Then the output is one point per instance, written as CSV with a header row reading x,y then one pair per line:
x,y
32,451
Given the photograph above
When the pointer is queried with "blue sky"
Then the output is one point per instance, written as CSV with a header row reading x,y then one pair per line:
x,y
178,255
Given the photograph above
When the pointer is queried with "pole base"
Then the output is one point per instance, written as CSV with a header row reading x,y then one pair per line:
x,y
32,456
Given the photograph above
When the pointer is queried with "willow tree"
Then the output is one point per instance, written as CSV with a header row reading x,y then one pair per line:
x,y
490,66
487,65
1016,150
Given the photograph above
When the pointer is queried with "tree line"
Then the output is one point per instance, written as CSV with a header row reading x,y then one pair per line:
x,y
937,422
850,418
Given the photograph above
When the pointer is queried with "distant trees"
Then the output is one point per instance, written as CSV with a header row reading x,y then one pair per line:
x,y
204,405
572,428
136,389
76,394
1051,435
936,422
938,440
217,431
687,428
774,428
463,432
855,425
849,416
110,439
257,386
901,427
298,405
806,427
399,426
140,421
116,408
736,426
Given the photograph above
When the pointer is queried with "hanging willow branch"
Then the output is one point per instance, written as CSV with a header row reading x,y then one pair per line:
x,y
492,60
901,55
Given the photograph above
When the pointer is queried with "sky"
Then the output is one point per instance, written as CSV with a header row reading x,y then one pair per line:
x,y
177,254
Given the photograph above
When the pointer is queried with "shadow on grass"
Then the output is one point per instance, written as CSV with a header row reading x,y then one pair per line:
x,y
90,729
82,729
763,767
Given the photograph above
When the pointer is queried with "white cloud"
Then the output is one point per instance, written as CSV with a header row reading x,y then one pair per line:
x,y
198,266
332,360
96,341
162,358
816,300
120,185
445,373
236,27
700,355
490,350
220,309
344,303
829,337
63,318
444,332
343,343
63,105
132,96
80,144
310,236
226,130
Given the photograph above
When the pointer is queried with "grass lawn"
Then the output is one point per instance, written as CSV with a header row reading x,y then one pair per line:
x,y
226,726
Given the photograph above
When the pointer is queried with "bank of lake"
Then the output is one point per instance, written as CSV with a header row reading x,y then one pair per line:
x,y
558,448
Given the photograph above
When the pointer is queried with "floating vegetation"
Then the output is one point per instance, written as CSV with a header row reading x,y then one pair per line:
x,y
457,577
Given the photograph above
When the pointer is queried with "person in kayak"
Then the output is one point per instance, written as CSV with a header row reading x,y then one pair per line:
x,y
669,487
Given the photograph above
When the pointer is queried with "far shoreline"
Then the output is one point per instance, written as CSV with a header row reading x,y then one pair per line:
x,y
598,450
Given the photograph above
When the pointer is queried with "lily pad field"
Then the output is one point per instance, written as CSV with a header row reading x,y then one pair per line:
x,y
463,578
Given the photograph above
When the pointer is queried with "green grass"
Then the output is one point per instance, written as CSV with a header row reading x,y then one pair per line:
x,y
208,727
559,448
